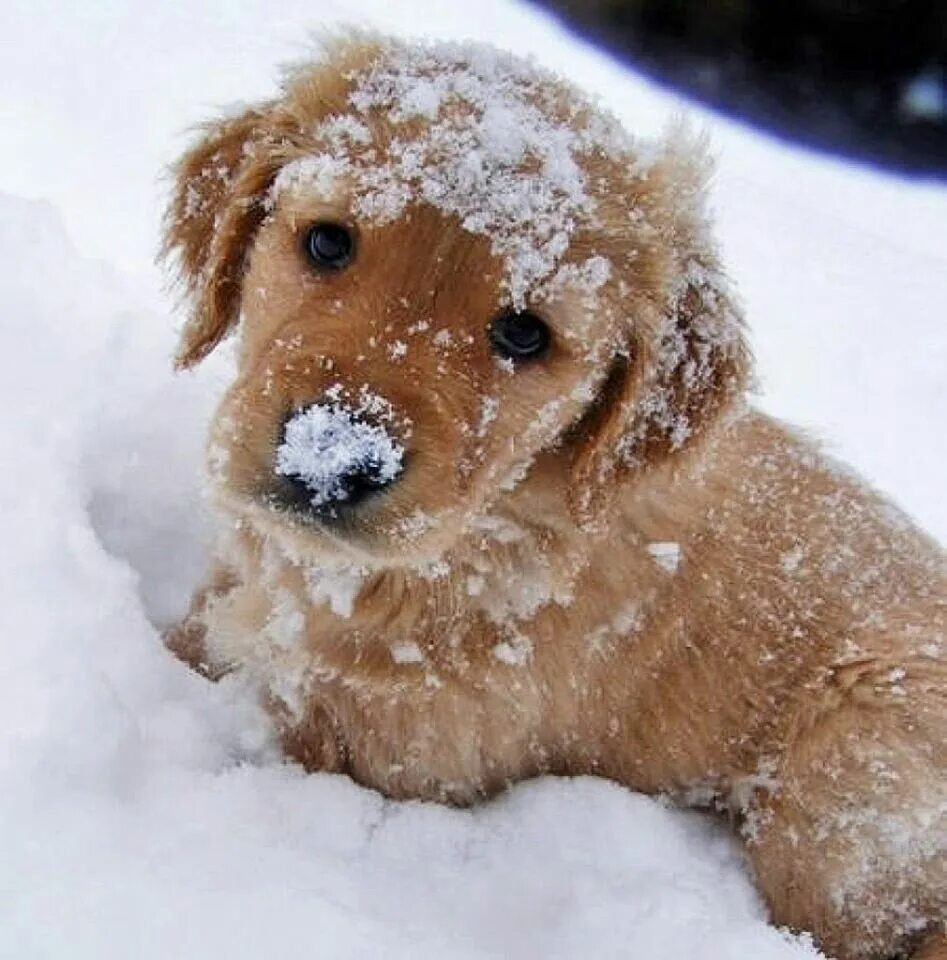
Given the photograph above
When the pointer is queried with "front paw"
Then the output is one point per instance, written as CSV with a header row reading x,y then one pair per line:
x,y
186,642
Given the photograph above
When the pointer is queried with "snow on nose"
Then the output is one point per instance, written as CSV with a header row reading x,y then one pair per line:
x,y
337,454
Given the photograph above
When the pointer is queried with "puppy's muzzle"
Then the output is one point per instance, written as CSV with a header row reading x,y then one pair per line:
x,y
332,456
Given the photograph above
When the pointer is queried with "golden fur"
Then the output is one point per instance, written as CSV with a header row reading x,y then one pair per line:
x,y
624,571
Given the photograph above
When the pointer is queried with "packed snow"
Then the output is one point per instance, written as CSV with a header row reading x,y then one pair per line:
x,y
145,811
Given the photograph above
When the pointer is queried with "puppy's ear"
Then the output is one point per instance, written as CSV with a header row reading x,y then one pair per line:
x,y
218,201
681,363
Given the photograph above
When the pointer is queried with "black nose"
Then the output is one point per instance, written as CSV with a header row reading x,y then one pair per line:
x,y
349,489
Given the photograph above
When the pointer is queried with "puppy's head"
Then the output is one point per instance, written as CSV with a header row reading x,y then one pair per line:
x,y
443,262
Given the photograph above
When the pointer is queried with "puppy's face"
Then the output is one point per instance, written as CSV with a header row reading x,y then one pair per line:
x,y
431,296
413,337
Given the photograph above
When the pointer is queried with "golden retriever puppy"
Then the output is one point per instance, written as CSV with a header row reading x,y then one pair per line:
x,y
494,504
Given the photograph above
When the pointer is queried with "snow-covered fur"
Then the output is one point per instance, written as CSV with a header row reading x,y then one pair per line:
x,y
599,562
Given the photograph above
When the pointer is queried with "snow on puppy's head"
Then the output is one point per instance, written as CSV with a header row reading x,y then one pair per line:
x,y
478,135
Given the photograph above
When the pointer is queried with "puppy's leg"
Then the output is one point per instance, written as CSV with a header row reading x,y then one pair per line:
x,y
315,742
186,640
851,843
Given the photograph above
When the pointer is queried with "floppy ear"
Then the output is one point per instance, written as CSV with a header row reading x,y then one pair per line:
x,y
218,201
682,361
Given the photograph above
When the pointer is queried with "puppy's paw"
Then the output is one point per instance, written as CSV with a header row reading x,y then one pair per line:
x,y
187,640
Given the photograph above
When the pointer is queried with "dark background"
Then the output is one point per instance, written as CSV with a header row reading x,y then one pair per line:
x,y
863,78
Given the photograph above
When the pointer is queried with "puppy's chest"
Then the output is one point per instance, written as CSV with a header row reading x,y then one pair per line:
x,y
456,740
445,710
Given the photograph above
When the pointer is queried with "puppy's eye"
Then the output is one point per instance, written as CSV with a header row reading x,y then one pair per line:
x,y
329,246
520,335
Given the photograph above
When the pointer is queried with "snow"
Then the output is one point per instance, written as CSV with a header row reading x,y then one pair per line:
x,y
326,444
666,554
492,152
145,812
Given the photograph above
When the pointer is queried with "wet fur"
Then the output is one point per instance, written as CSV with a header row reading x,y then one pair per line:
x,y
790,668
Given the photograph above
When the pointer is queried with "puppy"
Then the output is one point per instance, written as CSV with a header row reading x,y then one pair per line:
x,y
494,505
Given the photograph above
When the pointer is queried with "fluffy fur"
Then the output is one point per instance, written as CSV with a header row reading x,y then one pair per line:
x,y
600,563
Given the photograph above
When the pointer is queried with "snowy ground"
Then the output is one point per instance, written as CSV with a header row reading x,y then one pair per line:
x,y
144,813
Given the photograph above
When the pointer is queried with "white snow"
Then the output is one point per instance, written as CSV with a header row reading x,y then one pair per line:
x,y
337,586
407,652
145,812
666,554
326,443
